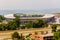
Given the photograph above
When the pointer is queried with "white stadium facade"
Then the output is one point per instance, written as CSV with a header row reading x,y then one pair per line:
x,y
49,18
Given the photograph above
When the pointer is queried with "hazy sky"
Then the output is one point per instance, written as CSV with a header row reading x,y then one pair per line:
x,y
29,4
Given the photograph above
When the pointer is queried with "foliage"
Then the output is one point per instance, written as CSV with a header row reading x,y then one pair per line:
x,y
16,15
37,15
22,27
29,24
15,35
56,35
28,37
2,18
36,24
11,26
54,28
40,24
17,21
55,24
22,37
2,27
15,24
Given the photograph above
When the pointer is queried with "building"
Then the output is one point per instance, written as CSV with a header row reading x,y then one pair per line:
x,y
48,36
57,18
49,18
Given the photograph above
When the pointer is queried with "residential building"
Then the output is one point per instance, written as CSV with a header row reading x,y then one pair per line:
x,y
48,36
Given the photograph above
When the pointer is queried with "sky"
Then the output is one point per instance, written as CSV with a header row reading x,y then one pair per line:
x,y
29,4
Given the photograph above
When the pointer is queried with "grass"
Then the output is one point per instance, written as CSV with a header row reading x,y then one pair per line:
x,y
7,34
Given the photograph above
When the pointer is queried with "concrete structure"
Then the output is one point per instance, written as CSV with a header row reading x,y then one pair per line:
x,y
47,17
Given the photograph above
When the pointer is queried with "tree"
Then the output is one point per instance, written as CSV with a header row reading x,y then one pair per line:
x,y
17,21
15,35
40,24
11,25
29,24
36,24
2,27
2,18
22,37
37,15
28,37
54,28
56,35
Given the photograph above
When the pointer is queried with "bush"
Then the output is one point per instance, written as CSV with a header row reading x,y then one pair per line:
x,y
22,27
54,28
15,35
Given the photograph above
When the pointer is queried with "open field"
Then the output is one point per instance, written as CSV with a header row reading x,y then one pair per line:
x,y
7,34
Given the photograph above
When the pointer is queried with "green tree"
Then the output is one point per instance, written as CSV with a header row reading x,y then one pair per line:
x,y
2,27
28,37
11,25
36,24
15,35
22,37
56,35
54,28
29,24
17,21
22,27
2,18
40,24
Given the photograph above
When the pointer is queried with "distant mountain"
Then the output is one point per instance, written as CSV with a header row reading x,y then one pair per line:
x,y
30,11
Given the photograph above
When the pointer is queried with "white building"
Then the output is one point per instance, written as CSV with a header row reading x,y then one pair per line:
x,y
47,17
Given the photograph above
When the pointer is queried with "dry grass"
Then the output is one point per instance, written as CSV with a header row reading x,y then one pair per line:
x,y
7,34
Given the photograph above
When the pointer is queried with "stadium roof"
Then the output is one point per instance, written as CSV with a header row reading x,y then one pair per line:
x,y
48,16
9,16
45,16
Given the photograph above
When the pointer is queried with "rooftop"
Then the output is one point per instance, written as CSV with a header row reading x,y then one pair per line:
x,y
9,16
41,36
45,16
